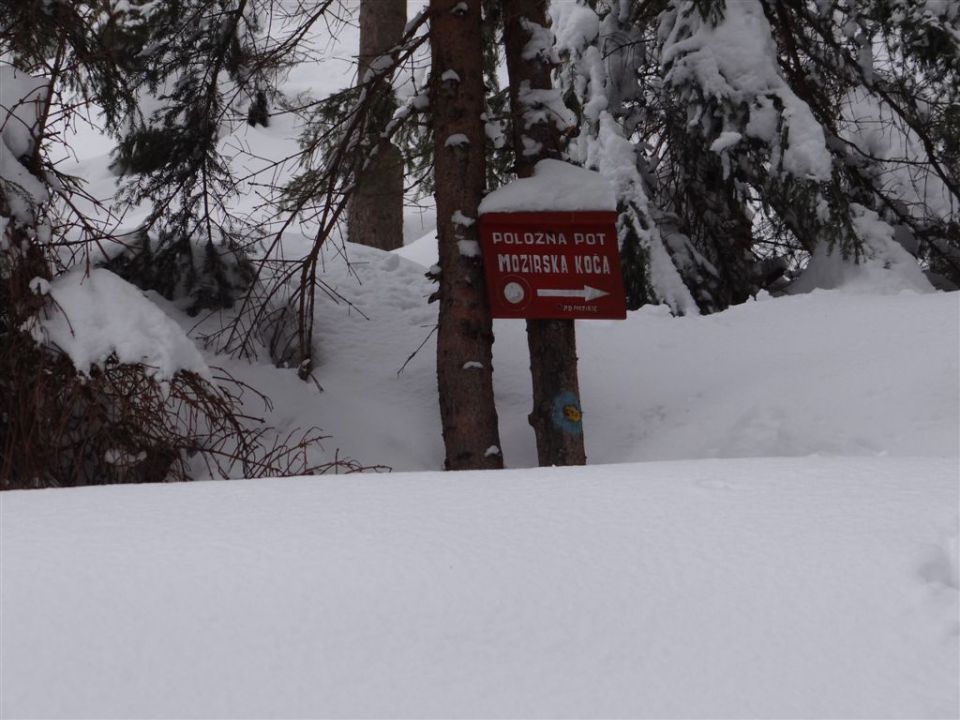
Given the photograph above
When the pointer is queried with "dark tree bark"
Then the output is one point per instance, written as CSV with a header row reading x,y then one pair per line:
x,y
465,333
556,416
375,213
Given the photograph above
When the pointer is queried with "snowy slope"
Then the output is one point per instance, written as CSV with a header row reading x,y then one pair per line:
x,y
830,373
761,588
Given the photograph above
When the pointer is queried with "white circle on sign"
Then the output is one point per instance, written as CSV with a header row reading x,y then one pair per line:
x,y
513,292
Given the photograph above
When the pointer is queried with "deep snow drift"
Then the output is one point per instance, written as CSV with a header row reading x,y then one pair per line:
x,y
814,588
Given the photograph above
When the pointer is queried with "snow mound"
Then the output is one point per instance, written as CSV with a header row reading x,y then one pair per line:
x,y
886,267
422,251
555,186
828,373
102,315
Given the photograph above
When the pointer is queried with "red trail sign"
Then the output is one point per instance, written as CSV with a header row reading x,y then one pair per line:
x,y
556,265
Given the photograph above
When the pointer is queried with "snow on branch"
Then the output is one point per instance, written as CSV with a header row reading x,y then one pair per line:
x,y
542,105
723,66
100,317
541,44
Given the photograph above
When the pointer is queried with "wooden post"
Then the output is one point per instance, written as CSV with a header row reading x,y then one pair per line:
x,y
556,416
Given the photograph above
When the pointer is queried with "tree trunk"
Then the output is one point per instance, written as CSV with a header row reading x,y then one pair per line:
x,y
375,212
465,333
556,417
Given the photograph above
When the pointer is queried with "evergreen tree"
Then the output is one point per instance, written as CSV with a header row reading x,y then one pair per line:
x,y
767,136
201,67
109,414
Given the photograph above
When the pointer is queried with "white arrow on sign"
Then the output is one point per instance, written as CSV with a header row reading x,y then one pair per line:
x,y
588,293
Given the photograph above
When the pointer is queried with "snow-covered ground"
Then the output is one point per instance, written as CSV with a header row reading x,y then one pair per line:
x,y
796,556
763,588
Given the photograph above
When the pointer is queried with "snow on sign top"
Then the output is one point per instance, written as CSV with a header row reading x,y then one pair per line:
x,y
556,186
